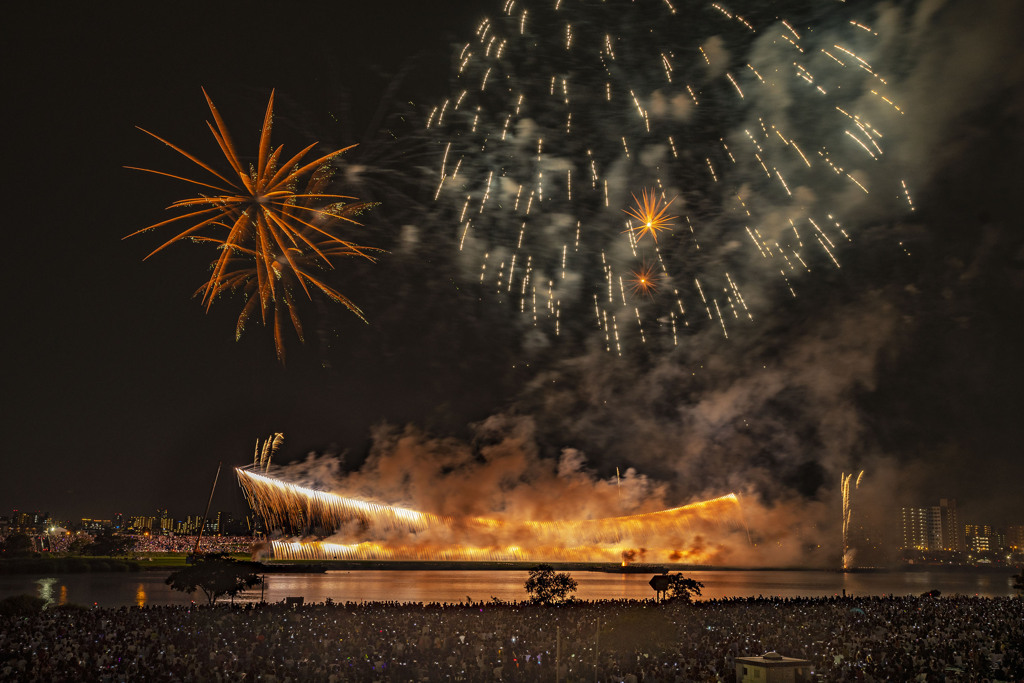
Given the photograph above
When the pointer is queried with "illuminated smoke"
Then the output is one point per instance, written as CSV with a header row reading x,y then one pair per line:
x,y
771,133
378,531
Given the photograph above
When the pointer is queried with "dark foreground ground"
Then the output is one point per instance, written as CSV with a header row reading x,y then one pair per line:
x,y
847,639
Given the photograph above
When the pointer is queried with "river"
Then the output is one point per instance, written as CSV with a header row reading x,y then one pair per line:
x,y
148,587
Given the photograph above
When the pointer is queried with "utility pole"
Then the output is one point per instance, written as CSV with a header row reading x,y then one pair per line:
x,y
195,551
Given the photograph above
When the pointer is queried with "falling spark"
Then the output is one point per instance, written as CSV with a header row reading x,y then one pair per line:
x,y
644,131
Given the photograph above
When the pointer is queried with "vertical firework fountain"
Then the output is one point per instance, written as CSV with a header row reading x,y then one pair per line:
x,y
844,482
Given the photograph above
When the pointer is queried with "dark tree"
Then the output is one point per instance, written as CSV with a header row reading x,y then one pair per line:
x,y
1018,583
681,588
109,545
78,545
18,544
215,574
548,587
21,606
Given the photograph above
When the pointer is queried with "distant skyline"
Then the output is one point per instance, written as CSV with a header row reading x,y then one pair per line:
x,y
904,362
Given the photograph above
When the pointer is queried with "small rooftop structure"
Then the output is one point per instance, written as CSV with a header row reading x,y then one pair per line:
x,y
771,667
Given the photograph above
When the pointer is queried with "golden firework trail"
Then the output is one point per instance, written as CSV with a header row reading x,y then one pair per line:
x,y
272,223
261,460
845,487
387,532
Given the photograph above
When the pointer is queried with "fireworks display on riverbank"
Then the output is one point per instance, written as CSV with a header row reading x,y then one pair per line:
x,y
357,529
769,133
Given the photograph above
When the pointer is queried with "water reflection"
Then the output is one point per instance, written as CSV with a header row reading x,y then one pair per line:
x,y
140,595
46,589
148,588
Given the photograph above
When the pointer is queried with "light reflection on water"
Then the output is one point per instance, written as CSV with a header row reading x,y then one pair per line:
x,y
148,588
46,589
140,595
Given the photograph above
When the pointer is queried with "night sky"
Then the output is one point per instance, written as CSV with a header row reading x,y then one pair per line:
x,y
123,394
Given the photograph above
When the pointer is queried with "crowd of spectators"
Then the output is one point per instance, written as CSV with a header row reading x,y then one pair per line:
x,y
64,542
846,639
185,544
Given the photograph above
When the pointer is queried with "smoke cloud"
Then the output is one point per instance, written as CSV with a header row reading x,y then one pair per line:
x,y
779,409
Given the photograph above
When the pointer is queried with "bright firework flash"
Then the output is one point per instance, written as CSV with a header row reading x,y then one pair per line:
x,y
645,280
274,226
650,215
365,530
769,132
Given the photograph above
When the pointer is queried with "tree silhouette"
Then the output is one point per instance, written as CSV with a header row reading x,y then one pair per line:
x,y
109,545
548,587
215,574
17,544
78,545
682,589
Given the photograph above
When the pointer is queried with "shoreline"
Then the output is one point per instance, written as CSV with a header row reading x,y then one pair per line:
x,y
171,562
419,565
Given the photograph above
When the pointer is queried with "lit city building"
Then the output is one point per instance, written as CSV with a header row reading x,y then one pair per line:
x,y
948,527
88,524
1015,538
915,528
983,537
166,524
142,524
934,528
29,521
189,526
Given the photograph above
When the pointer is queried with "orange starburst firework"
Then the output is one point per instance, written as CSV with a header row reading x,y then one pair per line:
x,y
645,280
273,224
650,211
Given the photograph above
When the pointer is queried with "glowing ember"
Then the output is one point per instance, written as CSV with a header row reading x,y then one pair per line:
x,y
650,212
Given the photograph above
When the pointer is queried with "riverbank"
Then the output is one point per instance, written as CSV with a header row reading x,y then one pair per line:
x,y
69,564
14,566
148,588
613,568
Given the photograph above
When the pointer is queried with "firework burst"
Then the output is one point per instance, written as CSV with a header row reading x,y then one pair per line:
x,y
649,211
769,133
275,227
645,280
